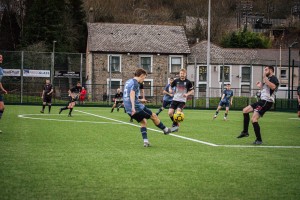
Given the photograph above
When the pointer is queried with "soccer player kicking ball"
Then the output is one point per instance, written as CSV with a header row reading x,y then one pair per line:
x,y
226,100
73,97
184,88
137,110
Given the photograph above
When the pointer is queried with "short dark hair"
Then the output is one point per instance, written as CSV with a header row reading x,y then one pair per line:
x,y
139,72
271,68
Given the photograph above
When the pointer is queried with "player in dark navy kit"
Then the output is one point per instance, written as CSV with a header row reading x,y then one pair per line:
x,y
118,100
137,110
73,97
184,88
47,96
2,107
268,89
226,101
168,97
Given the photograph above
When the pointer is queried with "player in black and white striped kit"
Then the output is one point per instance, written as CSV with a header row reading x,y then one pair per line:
x,y
268,89
184,88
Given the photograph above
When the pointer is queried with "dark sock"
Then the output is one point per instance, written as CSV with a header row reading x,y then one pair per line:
x,y
49,108
246,122
64,108
71,109
217,112
112,110
159,110
226,114
144,132
43,107
161,126
257,130
1,113
172,119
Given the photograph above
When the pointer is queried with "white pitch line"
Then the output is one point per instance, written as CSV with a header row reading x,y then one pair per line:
x,y
65,120
260,146
195,140
179,136
295,118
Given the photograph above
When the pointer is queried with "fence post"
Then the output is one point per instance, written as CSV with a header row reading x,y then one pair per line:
x,y
22,79
81,60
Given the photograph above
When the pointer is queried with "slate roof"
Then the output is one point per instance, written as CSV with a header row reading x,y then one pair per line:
x,y
241,56
136,38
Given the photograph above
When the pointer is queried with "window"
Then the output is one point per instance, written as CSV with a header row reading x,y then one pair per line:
x,y
246,74
202,90
115,84
202,73
148,87
175,64
114,63
283,73
146,63
245,88
226,73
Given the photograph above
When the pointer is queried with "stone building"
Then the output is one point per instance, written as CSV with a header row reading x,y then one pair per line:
x,y
115,51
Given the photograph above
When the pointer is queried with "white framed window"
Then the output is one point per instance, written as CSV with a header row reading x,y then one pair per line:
x,y
175,64
227,73
202,73
283,73
245,88
202,90
114,63
246,74
146,62
148,87
115,84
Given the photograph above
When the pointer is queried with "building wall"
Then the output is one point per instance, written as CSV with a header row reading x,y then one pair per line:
x,y
129,63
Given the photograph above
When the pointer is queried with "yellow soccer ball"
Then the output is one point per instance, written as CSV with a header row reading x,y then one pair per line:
x,y
178,116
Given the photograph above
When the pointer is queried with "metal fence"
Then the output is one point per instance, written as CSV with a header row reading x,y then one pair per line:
x,y
67,68
200,102
29,70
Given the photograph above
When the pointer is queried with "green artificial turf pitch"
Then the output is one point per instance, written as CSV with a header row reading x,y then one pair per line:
x,y
97,154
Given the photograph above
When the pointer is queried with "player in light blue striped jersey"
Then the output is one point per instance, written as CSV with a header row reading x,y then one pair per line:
x,y
137,110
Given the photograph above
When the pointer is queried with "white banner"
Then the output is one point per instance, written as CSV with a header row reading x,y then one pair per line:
x,y
36,73
12,72
27,72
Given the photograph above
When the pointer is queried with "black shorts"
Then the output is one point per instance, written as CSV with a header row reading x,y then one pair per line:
x,y
177,104
262,106
117,102
144,114
71,99
47,98
166,103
